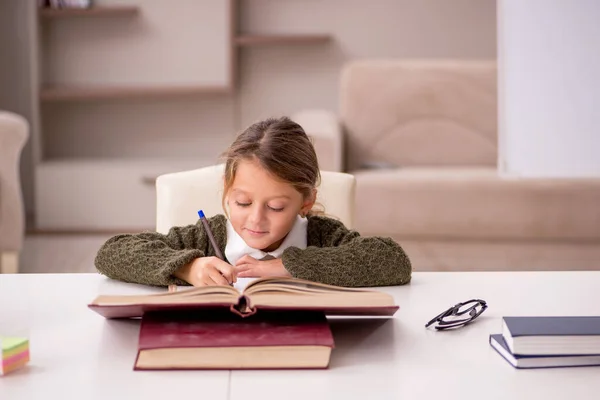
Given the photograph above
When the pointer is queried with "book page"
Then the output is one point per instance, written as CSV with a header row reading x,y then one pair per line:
x,y
295,285
243,283
205,294
292,292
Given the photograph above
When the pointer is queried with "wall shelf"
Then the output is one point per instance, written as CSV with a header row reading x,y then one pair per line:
x,y
71,93
104,11
273,39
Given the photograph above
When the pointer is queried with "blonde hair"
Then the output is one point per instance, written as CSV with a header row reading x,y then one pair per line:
x,y
282,148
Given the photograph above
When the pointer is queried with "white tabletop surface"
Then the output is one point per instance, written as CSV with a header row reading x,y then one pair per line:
x,y
400,359
78,354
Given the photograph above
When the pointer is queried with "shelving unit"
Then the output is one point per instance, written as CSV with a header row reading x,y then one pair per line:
x,y
113,80
62,91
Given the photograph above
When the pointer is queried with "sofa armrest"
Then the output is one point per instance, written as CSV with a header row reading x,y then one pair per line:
x,y
324,129
14,131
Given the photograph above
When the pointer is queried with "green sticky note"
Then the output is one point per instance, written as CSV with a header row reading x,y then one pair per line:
x,y
11,343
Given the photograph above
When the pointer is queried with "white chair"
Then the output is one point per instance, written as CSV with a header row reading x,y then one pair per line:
x,y
180,195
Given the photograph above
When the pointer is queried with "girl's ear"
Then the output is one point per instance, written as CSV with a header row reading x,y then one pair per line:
x,y
226,207
308,204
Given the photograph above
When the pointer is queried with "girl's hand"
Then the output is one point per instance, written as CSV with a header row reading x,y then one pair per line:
x,y
249,267
207,271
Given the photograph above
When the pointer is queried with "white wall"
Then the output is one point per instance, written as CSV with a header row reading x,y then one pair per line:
x,y
549,88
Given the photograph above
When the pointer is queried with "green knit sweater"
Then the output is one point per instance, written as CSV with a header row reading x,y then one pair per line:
x,y
334,255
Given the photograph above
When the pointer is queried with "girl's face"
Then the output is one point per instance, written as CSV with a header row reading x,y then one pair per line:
x,y
262,208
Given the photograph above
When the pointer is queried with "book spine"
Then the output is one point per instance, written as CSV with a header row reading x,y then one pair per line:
x,y
243,308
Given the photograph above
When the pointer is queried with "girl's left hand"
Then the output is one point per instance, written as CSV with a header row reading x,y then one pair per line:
x,y
249,267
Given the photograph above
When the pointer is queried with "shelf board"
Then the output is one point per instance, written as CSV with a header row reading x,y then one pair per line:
x,y
96,11
276,39
70,93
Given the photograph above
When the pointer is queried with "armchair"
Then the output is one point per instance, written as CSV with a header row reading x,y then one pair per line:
x,y
420,136
14,131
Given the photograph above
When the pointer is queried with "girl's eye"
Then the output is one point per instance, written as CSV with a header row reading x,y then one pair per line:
x,y
250,203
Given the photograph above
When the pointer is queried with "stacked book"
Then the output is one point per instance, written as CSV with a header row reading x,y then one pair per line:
x,y
544,342
15,354
273,323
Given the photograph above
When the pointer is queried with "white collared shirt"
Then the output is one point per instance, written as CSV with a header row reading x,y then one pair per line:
x,y
236,247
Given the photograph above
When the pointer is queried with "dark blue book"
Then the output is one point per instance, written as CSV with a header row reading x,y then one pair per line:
x,y
552,335
544,361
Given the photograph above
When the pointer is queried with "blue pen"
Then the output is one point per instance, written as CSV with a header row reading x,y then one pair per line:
x,y
213,242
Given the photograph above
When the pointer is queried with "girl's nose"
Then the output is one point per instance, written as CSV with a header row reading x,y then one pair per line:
x,y
256,214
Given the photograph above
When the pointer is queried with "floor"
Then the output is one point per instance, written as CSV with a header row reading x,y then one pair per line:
x,y
60,253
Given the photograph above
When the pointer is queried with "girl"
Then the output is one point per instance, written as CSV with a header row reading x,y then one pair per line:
x,y
269,227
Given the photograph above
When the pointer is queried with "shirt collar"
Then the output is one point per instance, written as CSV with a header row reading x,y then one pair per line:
x,y
236,248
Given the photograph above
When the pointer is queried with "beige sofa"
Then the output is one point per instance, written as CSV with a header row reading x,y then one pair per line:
x,y
421,139
14,131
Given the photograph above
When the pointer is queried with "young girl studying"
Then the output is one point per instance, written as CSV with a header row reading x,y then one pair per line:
x,y
270,227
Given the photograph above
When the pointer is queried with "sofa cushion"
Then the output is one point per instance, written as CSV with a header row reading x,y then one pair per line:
x,y
419,113
475,203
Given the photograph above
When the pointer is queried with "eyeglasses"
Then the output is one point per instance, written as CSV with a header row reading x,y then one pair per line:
x,y
453,317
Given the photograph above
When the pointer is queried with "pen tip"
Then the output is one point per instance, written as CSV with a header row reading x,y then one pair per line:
x,y
200,214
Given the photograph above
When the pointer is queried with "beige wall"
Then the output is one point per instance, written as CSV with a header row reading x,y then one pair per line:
x,y
277,80
163,44
273,80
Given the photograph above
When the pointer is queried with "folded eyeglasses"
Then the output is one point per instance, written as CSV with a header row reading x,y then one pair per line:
x,y
459,315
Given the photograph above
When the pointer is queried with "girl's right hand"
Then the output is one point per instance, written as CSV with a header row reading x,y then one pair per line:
x,y
207,271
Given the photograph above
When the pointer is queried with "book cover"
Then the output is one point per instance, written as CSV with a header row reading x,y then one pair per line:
x,y
552,335
541,361
222,340
555,326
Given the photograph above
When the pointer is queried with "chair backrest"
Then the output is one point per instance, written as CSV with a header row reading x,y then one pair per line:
x,y
180,195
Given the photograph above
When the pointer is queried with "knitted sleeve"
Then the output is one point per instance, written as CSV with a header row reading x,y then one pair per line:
x,y
151,258
338,256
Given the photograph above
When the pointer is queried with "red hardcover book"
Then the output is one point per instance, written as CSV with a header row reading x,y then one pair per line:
x,y
262,294
222,340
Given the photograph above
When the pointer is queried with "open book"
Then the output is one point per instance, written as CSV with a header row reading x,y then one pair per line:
x,y
263,293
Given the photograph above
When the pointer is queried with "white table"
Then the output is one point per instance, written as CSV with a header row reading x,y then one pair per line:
x,y
397,359
76,353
